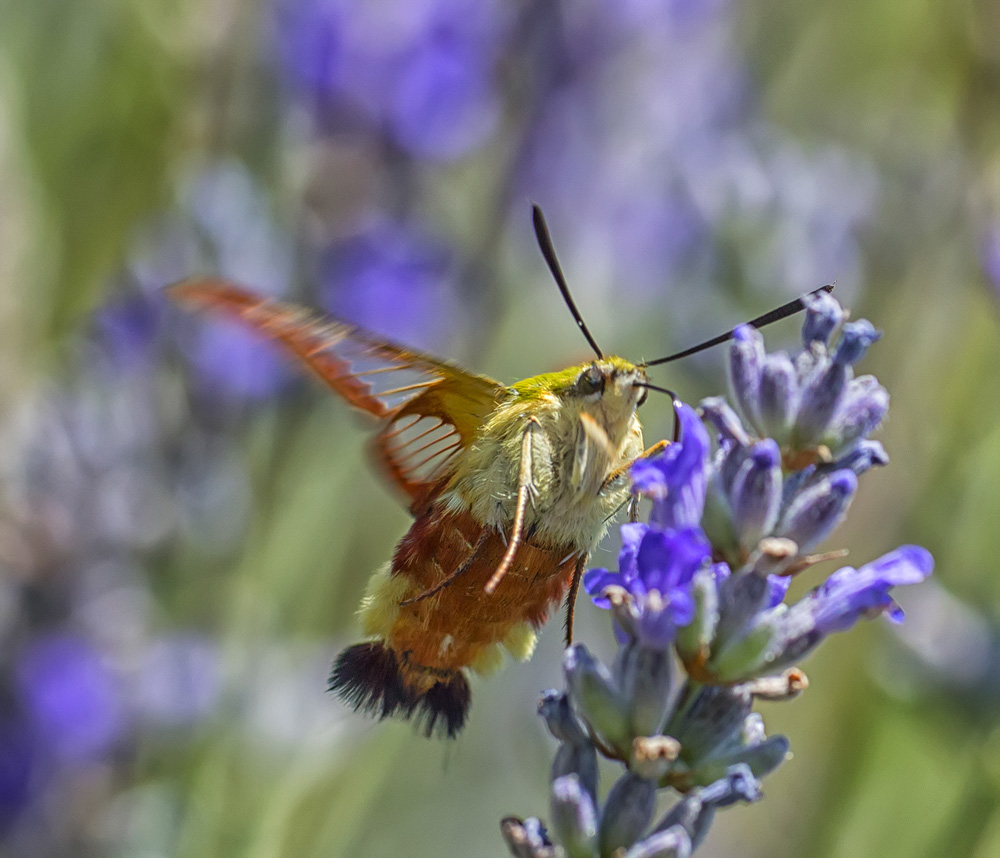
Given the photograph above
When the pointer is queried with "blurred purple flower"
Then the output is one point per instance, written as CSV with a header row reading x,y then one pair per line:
x,y
17,767
71,696
127,329
424,70
233,361
310,43
444,104
394,281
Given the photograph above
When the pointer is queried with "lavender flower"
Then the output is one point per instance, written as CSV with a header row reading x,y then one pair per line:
x,y
655,567
705,579
427,76
393,278
71,696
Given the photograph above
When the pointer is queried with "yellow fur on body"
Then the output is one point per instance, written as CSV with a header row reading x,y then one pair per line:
x,y
568,504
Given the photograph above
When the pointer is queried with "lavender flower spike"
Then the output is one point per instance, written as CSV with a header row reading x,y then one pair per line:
x,y
704,582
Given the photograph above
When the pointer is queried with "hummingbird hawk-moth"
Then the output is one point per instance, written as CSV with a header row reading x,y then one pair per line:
x,y
510,486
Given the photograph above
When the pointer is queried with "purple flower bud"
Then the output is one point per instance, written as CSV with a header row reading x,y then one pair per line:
x,y
778,587
741,597
695,812
526,838
555,709
672,843
818,509
746,357
579,761
823,314
645,677
627,812
574,817
713,718
231,363
595,696
444,103
727,423
821,399
755,498
694,639
127,328
779,396
747,650
392,277
760,758
863,457
738,784
667,560
855,339
864,406
727,465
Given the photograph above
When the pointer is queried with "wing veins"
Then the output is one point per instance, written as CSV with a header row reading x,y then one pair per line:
x,y
431,443
414,467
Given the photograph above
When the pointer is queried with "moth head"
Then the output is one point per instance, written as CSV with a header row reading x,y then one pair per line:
x,y
611,383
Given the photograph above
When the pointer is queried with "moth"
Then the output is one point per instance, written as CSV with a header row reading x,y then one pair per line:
x,y
511,487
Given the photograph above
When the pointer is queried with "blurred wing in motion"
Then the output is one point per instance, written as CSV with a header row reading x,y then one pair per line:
x,y
431,408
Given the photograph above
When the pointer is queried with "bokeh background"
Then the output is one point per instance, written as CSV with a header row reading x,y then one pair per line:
x,y
186,524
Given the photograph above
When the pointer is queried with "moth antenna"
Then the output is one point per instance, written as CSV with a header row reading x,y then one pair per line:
x,y
549,252
775,315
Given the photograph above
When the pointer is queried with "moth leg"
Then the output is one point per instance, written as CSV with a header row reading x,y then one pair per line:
x,y
622,470
574,588
625,503
592,429
524,488
463,567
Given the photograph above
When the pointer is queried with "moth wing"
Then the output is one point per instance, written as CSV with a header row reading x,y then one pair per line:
x,y
431,408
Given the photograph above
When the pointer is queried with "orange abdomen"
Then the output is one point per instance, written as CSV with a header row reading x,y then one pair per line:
x,y
414,666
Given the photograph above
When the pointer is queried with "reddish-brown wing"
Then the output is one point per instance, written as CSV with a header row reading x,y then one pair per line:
x,y
431,408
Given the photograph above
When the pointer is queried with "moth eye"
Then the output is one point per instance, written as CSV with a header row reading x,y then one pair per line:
x,y
642,397
591,381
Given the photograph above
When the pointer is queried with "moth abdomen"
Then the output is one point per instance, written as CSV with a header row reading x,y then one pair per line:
x,y
370,678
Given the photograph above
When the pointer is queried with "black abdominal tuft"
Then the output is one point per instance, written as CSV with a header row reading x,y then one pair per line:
x,y
368,678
